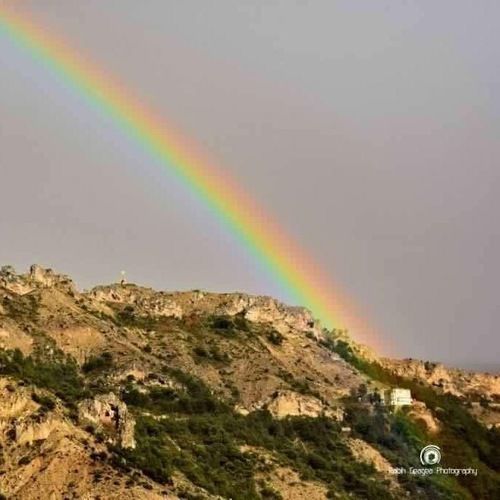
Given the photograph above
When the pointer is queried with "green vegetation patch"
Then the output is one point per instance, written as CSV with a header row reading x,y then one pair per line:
x,y
98,363
211,353
228,326
201,436
128,317
275,337
464,441
22,308
59,376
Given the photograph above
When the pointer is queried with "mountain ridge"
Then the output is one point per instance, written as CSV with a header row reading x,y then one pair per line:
x,y
125,369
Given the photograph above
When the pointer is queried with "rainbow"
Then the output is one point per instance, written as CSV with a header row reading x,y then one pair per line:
x,y
303,281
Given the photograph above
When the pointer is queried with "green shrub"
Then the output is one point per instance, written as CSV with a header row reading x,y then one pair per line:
x,y
299,385
269,493
222,323
45,402
98,363
211,354
275,337
217,355
24,460
201,352
128,317
241,323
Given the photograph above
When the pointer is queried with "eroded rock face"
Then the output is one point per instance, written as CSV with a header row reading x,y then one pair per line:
x,y
14,338
80,341
260,309
27,432
18,413
288,403
108,414
14,401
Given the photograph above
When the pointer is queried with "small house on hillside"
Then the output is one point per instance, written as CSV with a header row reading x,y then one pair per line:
x,y
397,397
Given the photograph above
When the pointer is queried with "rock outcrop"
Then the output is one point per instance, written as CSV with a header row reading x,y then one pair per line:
x,y
37,277
457,382
109,415
292,404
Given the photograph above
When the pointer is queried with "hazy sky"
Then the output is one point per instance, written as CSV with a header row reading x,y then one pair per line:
x,y
369,129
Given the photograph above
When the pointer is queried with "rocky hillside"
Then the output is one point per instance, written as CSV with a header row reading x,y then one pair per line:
x,y
465,385
125,392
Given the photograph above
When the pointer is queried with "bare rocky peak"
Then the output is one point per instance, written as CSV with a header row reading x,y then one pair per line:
x,y
255,308
37,277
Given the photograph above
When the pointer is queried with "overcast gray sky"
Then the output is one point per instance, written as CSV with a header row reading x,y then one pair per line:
x,y
370,129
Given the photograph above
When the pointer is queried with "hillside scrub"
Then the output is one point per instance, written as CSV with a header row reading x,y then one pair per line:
x,y
463,439
191,376
203,437
60,376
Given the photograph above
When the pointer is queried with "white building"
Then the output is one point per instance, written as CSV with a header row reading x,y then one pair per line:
x,y
398,397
